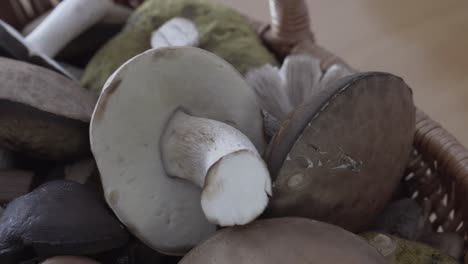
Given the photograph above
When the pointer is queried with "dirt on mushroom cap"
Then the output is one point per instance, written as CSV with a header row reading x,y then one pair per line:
x,y
284,240
222,31
339,157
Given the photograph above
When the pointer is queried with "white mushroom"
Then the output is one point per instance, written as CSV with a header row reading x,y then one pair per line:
x,y
166,113
177,32
69,19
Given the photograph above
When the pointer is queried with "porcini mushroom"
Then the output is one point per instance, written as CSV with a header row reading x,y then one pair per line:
x,y
284,240
69,260
339,156
186,113
58,218
69,19
43,114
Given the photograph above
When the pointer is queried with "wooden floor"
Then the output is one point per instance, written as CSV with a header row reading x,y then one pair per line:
x,y
424,41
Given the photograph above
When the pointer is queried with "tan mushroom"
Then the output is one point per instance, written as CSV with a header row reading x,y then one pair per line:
x,y
43,114
284,240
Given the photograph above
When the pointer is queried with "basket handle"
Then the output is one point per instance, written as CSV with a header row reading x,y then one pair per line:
x,y
290,21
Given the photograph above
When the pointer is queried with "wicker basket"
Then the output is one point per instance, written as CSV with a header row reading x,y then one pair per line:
x,y
438,169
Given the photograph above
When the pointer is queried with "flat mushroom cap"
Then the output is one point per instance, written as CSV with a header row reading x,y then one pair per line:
x,y
42,113
58,218
136,103
284,240
339,157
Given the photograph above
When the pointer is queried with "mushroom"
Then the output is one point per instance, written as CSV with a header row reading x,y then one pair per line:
x,y
400,251
68,20
58,218
284,240
222,30
169,122
280,91
14,183
42,113
69,260
177,32
339,156
403,218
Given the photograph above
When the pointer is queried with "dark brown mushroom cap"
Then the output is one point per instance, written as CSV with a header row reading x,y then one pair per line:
x,y
284,240
339,157
42,113
58,218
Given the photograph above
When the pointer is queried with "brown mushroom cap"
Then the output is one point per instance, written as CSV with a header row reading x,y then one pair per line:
x,y
69,260
284,240
58,218
339,157
43,114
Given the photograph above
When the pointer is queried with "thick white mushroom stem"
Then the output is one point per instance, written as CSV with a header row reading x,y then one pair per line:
x,y
69,19
221,160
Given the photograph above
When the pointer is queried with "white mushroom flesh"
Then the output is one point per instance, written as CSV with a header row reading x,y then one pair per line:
x,y
177,32
69,19
221,160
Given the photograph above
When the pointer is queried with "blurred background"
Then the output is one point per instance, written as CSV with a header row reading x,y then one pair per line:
x,y
424,41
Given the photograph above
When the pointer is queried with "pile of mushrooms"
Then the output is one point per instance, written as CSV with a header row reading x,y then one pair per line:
x,y
181,159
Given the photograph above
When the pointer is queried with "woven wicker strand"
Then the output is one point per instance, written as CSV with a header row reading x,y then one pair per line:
x,y
438,169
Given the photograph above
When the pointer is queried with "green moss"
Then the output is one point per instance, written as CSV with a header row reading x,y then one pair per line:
x,y
411,252
222,30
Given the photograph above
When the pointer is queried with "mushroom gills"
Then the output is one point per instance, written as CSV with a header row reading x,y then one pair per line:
x,y
221,160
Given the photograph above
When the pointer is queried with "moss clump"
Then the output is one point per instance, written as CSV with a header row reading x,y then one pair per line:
x,y
222,31
407,252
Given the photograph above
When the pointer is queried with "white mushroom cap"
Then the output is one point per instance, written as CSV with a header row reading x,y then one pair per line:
x,y
136,103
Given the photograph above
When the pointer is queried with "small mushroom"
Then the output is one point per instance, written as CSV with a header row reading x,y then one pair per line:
x,y
339,156
177,32
284,240
81,171
14,183
400,251
69,19
69,260
171,124
58,218
42,113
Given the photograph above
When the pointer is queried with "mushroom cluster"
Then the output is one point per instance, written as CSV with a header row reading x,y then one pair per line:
x,y
182,141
